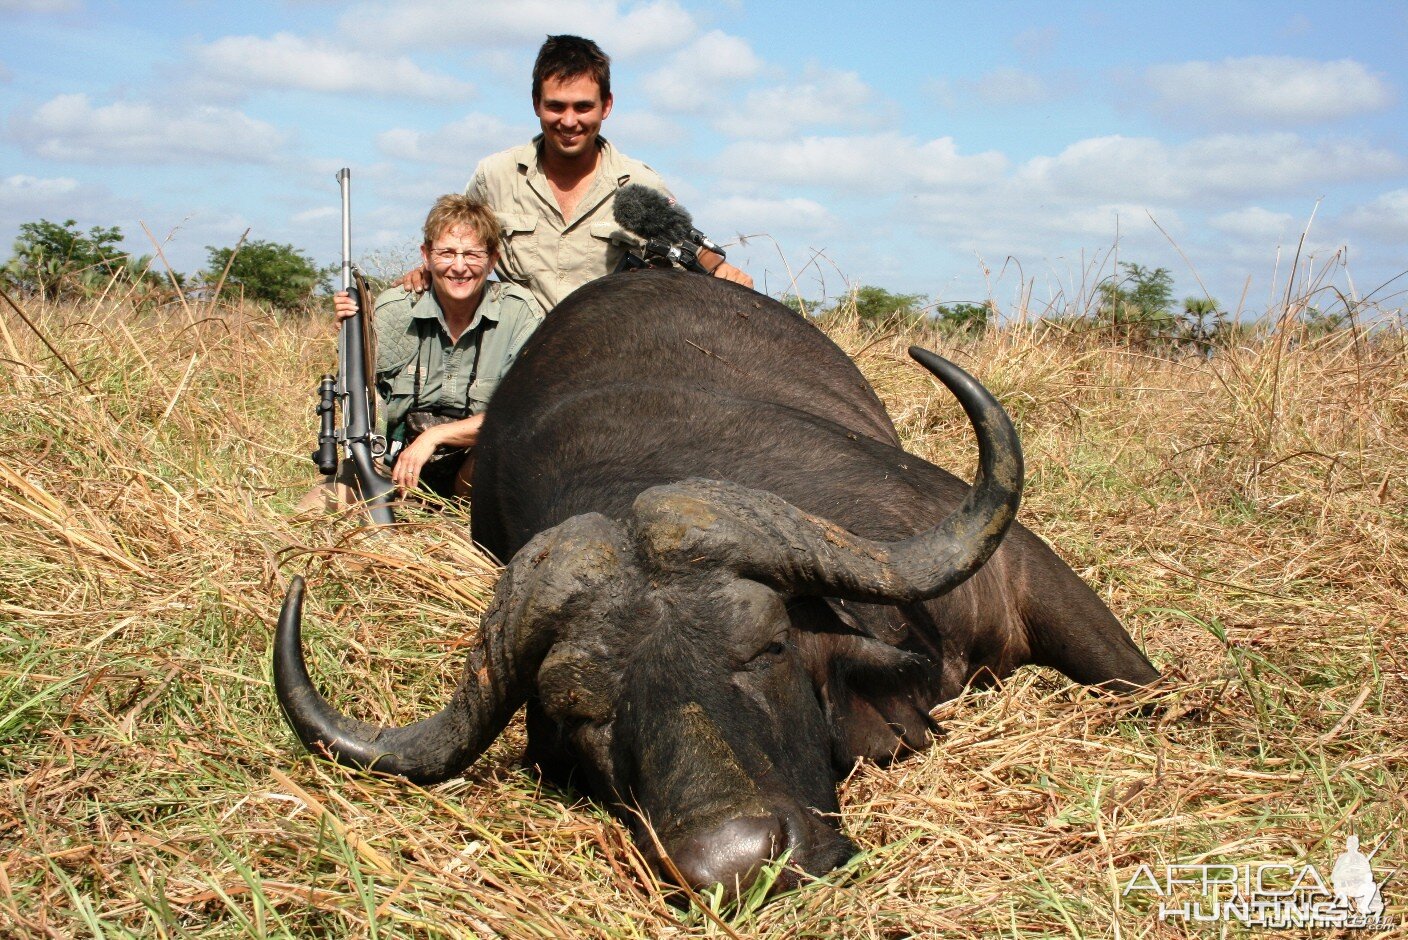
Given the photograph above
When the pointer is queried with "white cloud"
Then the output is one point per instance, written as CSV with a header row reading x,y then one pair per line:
x,y
1007,86
1268,162
1103,166
288,61
39,6
1298,25
1254,224
23,195
1125,168
458,144
1036,41
25,198
633,128
1277,90
832,99
753,216
655,26
1003,87
317,215
439,24
693,79
880,162
1026,222
69,127
1060,214
1384,218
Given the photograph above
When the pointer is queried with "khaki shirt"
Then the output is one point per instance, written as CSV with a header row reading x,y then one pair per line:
x,y
549,255
419,369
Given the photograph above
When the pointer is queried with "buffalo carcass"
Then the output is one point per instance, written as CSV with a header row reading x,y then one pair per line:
x,y
727,580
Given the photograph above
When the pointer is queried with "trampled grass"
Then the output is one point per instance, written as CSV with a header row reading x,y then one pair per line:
x,y
1244,515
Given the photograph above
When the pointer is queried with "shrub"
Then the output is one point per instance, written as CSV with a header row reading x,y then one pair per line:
x,y
57,261
962,318
269,273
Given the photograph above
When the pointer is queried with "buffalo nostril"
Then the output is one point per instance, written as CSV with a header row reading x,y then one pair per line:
x,y
731,854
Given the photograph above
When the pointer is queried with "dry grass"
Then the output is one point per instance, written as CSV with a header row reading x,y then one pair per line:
x,y
1245,516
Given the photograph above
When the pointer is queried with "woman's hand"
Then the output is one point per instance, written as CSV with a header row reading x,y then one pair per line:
x,y
461,433
406,473
343,305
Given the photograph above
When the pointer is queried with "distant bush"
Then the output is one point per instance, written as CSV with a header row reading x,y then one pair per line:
x,y
963,318
1139,309
880,308
58,261
266,272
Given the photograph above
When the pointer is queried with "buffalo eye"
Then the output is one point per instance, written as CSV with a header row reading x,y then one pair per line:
x,y
768,656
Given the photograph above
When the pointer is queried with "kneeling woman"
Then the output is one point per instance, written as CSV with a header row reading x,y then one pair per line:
x,y
441,353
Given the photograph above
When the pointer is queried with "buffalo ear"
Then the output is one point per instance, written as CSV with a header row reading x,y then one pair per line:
x,y
875,696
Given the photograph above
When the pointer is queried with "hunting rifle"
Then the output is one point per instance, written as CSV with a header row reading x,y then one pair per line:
x,y
351,388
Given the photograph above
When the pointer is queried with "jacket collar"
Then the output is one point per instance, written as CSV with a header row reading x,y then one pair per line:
x,y
425,307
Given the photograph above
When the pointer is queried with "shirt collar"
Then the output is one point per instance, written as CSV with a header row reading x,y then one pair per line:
x,y
528,162
425,307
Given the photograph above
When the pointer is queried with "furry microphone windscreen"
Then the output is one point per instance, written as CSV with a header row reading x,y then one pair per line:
x,y
651,215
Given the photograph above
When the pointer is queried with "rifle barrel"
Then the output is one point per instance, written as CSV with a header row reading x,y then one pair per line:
x,y
344,180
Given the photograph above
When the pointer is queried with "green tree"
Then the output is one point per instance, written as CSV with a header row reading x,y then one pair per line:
x,y
279,275
970,319
1320,322
878,307
56,260
1139,306
1204,322
807,308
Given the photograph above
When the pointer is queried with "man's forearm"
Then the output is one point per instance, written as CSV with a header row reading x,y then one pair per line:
x,y
729,273
461,433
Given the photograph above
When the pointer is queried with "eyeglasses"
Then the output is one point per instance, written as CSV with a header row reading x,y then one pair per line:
x,y
447,256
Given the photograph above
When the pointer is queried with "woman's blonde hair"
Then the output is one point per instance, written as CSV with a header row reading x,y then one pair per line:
x,y
454,209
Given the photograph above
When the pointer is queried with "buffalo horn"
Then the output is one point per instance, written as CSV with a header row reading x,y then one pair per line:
x,y
560,569
762,536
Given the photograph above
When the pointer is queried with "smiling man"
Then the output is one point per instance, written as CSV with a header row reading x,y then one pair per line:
x,y
554,196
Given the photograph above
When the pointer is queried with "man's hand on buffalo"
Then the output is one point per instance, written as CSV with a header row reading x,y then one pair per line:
x,y
728,272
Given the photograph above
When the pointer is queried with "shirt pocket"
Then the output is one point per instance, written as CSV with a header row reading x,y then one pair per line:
x,y
403,383
491,372
612,242
518,245
613,233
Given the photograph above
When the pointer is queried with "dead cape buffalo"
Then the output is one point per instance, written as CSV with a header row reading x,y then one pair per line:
x,y
727,580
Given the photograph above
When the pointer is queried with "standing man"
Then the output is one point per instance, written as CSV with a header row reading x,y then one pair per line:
x,y
554,196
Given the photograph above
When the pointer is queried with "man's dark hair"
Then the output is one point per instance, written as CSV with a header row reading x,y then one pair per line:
x,y
564,57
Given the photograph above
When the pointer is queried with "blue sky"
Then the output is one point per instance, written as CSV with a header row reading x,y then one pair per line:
x,y
959,150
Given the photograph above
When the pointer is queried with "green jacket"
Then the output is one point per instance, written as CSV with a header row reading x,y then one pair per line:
x,y
418,368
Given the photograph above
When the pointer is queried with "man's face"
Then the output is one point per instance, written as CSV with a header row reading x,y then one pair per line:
x,y
458,263
570,112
